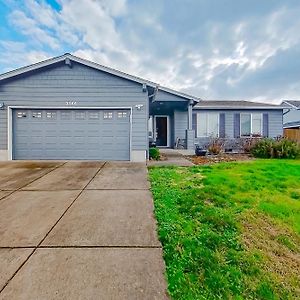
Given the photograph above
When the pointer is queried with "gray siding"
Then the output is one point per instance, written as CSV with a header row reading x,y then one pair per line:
x,y
180,124
165,96
53,86
275,122
292,116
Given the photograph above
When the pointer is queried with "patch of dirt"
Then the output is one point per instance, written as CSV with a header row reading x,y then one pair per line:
x,y
162,157
213,159
279,246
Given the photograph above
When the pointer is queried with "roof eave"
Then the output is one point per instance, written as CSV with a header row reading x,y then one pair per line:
x,y
97,66
88,63
32,67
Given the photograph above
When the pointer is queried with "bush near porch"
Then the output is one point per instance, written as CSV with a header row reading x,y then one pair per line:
x,y
154,153
230,230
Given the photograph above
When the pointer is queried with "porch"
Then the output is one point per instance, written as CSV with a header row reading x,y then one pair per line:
x,y
170,122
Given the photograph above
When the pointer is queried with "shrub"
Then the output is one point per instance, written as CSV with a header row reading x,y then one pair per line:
x,y
280,148
215,145
154,153
248,143
263,148
286,149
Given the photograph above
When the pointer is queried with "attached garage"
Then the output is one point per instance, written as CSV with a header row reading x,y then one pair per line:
x,y
69,108
86,134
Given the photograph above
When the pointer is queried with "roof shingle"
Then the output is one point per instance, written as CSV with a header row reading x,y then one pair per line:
x,y
235,104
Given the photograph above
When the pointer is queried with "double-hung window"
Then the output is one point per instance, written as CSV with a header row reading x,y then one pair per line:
x,y
251,124
207,124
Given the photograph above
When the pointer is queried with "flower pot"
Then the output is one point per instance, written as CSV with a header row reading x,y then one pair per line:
x,y
200,152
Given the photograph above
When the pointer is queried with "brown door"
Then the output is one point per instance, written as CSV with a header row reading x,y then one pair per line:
x,y
162,131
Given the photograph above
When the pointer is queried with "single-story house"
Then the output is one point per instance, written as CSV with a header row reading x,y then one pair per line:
x,y
67,107
291,119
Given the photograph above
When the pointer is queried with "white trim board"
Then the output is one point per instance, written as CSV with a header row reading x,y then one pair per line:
x,y
10,122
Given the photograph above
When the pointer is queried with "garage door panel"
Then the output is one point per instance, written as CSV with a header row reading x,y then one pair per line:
x,y
71,134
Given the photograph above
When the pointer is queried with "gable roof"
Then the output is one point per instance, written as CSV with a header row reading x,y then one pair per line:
x,y
96,66
293,103
234,104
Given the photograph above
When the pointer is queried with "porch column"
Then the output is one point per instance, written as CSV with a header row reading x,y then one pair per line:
x,y
190,133
190,115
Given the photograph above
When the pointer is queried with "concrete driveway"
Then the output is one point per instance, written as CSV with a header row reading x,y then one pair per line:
x,y
78,230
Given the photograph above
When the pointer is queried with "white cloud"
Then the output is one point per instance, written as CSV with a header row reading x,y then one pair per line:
x,y
209,53
15,54
29,27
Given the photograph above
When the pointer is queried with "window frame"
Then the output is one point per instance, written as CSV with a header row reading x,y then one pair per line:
x,y
251,124
207,124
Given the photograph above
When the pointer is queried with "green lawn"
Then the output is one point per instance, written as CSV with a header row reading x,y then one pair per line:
x,y
231,230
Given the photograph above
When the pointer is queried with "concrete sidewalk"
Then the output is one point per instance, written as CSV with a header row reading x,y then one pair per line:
x,y
78,230
173,157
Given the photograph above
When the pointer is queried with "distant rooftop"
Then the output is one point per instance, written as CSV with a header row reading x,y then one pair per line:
x,y
293,103
235,104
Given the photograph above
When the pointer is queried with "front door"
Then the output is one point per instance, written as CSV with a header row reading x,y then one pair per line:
x,y
161,123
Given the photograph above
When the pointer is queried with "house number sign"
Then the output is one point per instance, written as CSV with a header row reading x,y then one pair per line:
x,y
70,103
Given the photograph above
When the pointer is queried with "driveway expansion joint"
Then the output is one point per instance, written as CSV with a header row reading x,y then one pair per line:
x,y
35,248
28,183
146,256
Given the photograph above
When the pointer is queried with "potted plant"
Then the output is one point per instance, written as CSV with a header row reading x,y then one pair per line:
x,y
200,151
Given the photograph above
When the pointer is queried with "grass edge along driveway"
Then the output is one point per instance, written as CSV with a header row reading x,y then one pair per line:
x,y
231,230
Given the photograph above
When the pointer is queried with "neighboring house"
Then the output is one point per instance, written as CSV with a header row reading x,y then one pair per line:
x,y
232,120
291,119
70,108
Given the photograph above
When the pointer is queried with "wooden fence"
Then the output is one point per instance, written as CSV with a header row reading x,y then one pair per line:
x,y
292,134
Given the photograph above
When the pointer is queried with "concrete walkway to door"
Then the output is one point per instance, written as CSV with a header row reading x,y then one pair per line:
x,y
78,230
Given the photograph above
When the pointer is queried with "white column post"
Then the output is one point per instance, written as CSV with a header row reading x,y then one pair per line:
x,y
190,115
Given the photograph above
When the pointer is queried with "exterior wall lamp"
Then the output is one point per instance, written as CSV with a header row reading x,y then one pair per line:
x,y
2,106
139,106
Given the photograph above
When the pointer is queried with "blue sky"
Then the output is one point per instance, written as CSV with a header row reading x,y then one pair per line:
x,y
214,49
